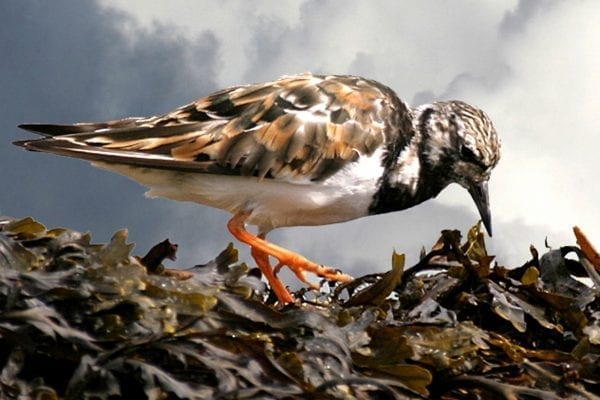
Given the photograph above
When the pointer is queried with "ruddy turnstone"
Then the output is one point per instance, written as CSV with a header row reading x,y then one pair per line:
x,y
301,150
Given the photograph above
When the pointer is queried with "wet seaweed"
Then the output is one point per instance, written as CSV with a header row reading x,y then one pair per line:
x,y
83,320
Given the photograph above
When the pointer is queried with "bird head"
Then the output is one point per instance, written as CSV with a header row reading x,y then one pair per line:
x,y
461,146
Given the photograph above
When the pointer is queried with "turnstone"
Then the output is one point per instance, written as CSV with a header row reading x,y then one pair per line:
x,y
301,150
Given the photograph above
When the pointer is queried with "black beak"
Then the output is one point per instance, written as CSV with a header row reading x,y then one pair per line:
x,y
479,193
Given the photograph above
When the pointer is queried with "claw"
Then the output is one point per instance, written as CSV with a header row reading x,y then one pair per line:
x,y
261,250
278,267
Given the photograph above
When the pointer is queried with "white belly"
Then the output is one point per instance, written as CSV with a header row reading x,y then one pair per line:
x,y
272,203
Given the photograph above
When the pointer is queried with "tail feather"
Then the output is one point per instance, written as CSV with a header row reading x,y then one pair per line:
x,y
67,129
99,154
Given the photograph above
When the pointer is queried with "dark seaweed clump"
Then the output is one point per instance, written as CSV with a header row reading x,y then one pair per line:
x,y
81,320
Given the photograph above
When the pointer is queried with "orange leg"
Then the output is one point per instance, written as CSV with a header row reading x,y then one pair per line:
x,y
262,260
262,250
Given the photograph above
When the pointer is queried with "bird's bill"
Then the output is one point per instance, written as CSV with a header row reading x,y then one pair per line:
x,y
479,193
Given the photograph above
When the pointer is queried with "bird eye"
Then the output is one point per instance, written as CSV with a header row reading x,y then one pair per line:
x,y
467,154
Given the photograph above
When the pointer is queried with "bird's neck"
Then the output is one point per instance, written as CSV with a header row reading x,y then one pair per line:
x,y
414,176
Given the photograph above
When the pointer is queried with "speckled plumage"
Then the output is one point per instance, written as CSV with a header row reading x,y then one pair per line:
x,y
301,150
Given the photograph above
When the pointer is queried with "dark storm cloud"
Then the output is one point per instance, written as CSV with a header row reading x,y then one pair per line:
x,y
70,59
516,20
65,61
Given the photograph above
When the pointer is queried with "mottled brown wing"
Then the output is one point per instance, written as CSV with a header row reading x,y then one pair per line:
x,y
298,127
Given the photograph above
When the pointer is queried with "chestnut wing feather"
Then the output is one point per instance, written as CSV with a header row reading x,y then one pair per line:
x,y
299,127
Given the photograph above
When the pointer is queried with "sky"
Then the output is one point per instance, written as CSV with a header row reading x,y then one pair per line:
x,y
532,65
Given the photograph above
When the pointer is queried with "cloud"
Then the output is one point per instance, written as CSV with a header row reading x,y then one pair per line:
x,y
71,61
544,107
531,65
517,19
411,46
234,23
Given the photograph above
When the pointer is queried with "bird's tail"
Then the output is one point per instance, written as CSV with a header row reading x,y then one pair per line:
x,y
50,130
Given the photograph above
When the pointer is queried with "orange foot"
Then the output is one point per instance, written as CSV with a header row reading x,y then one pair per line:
x,y
261,250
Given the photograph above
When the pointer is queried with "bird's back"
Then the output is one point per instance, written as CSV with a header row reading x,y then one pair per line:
x,y
297,128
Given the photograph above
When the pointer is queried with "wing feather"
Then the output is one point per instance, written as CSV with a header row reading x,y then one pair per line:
x,y
298,127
